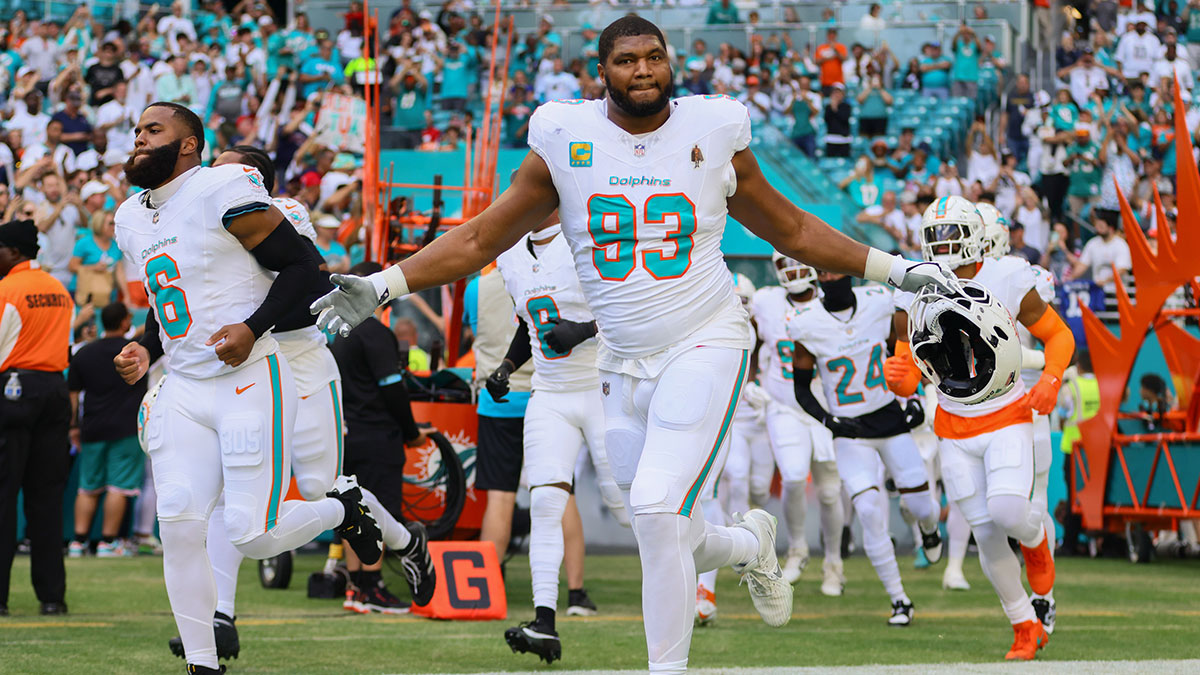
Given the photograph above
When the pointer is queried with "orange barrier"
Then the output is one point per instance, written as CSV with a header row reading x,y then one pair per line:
x,y
469,585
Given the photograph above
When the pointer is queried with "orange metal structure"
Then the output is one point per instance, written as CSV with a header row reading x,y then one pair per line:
x,y
1170,489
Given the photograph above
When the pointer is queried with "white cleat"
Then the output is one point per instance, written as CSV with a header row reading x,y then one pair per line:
x,y
953,580
772,596
794,565
834,582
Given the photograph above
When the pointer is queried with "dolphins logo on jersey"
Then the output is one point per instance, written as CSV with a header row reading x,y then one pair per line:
x,y
580,154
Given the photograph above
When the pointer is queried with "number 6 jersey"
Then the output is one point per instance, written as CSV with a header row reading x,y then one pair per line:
x,y
198,276
644,216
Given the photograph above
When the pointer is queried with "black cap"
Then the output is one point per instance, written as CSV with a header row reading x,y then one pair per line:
x,y
21,235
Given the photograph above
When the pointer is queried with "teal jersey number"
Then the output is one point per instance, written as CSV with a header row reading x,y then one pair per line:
x,y
784,348
612,222
875,369
170,302
544,312
845,396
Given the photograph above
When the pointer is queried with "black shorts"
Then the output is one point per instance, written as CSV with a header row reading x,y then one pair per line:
x,y
500,453
872,126
376,458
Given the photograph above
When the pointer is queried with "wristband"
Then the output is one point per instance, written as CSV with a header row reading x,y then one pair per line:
x,y
389,283
879,267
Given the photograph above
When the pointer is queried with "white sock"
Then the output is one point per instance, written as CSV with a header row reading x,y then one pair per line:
x,y
225,559
713,513
190,588
959,534
795,508
395,535
923,508
298,523
546,506
1016,516
668,588
717,546
833,516
871,507
1003,569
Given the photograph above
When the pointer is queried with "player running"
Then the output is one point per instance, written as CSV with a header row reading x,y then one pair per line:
x,y
845,336
206,241
317,442
643,185
555,329
985,414
798,441
1033,361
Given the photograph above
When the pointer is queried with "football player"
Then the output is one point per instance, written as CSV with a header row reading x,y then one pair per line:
x,y
643,184
987,448
799,442
845,337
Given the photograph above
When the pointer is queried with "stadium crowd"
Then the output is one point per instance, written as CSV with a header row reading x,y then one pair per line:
x,y
71,93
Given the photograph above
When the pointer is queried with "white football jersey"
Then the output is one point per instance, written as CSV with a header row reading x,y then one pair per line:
x,y
197,275
849,353
1044,285
644,216
297,215
545,288
770,308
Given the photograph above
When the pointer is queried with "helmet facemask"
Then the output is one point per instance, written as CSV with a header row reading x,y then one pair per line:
x,y
953,244
793,275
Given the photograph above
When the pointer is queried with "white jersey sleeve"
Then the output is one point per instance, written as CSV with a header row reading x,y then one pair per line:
x,y
1044,284
241,191
296,214
544,290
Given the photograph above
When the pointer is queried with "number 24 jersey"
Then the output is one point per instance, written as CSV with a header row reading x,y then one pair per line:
x,y
644,216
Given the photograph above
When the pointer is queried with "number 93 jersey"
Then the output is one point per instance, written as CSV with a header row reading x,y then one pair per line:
x,y
197,275
644,216
545,289
849,353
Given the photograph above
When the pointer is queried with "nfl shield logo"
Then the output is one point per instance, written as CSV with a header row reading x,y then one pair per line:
x,y
639,150
155,218
604,388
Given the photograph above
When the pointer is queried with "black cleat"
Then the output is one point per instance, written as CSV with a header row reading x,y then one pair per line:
x,y
531,638
847,542
418,566
3,610
225,633
902,614
579,604
1046,610
204,670
359,529
931,542
380,600
53,608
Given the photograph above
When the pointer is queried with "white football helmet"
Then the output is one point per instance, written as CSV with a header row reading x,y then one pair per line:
x,y
966,343
143,416
743,288
793,275
952,232
995,231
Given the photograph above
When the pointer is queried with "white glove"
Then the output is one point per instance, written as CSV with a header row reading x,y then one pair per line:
x,y
913,276
352,302
754,395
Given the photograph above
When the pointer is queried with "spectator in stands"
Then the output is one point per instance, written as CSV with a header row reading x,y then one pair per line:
x,y
1008,184
1191,20
111,462
1061,254
1156,400
757,102
410,87
721,12
837,122
59,215
96,263
556,84
75,129
1137,51
862,183
32,120
176,85
1013,109
967,49
1031,216
1083,161
885,215
871,25
1085,76
1018,246
935,72
102,76
1102,253
1173,65
873,102
806,105
517,112
948,182
61,158
1120,165
321,70
41,52
983,163
455,69
912,75
337,260
829,57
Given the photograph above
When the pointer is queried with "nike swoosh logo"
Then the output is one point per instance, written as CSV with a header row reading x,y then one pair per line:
x,y
247,169
240,390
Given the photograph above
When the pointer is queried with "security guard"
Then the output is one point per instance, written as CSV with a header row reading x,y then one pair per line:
x,y
1079,401
35,332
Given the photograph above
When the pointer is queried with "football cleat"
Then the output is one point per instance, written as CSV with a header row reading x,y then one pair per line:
x,y
579,604
380,600
794,565
834,582
359,527
772,596
533,638
1028,638
953,579
193,669
848,547
225,632
1039,566
920,562
706,606
902,613
418,566
1046,610
931,543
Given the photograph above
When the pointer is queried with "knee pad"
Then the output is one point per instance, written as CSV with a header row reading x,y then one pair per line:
x,y
1009,512
649,492
760,488
176,501
870,511
624,448
546,501
312,488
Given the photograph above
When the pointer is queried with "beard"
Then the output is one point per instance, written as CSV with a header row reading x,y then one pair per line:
x,y
155,167
633,109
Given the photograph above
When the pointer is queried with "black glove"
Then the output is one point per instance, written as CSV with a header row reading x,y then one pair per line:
x,y
567,334
845,427
914,413
497,382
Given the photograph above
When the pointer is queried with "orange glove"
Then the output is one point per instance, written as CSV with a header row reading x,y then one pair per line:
x,y
1044,395
901,372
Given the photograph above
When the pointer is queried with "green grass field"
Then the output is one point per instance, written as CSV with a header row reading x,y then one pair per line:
x,y
120,622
